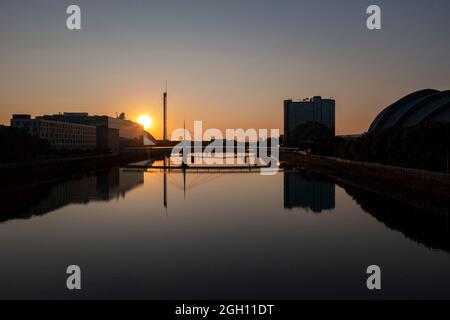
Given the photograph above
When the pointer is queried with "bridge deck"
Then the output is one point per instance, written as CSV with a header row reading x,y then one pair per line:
x,y
235,167
196,167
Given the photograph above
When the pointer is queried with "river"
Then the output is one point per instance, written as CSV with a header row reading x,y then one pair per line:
x,y
147,234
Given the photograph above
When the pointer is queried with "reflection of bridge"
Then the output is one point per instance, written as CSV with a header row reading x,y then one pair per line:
x,y
209,169
189,163
300,191
245,162
202,174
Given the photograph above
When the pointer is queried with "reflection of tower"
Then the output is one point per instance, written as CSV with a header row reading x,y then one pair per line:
x,y
301,192
184,182
165,183
166,167
165,115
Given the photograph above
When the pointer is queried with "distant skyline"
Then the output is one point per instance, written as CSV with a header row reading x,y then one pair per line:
x,y
228,63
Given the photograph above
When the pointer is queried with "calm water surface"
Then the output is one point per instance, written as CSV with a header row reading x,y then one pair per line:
x,y
217,235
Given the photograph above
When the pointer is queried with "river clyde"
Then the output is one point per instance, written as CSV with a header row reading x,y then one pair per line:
x,y
208,235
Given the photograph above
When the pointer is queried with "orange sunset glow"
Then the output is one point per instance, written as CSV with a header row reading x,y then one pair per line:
x,y
145,121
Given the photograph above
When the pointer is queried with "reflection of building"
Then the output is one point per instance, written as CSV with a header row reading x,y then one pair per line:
x,y
422,220
101,186
308,110
414,109
117,182
309,194
60,135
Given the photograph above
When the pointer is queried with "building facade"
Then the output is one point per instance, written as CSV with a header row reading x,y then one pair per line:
x,y
113,133
414,109
60,135
313,109
108,139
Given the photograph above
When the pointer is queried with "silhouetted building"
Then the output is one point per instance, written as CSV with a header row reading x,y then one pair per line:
x,y
350,137
299,192
60,135
108,139
129,133
315,109
415,109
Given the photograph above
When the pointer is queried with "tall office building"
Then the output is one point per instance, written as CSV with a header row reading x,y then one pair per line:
x,y
313,109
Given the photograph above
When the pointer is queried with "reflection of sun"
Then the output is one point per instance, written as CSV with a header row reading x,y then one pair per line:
x,y
145,121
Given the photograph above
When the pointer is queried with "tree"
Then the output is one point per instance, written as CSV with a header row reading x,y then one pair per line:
x,y
18,145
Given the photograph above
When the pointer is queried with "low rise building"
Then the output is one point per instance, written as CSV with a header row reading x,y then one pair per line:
x,y
60,135
114,133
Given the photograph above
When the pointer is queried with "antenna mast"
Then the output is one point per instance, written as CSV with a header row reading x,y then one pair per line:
x,y
165,114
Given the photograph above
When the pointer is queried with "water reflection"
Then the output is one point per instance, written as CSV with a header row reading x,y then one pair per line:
x,y
42,198
303,190
425,227
308,191
223,235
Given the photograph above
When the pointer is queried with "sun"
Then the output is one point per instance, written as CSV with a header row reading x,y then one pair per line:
x,y
145,121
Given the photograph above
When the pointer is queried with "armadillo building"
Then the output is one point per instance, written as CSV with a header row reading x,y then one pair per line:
x,y
415,109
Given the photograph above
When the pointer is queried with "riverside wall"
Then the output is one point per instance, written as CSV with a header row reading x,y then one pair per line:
x,y
388,179
35,171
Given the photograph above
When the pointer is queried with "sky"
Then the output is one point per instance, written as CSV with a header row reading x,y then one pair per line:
x,y
228,63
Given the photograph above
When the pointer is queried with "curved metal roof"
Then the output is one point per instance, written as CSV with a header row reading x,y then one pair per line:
x,y
413,109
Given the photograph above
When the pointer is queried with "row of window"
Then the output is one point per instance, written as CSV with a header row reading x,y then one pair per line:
x,y
64,125
67,136
72,142
72,131
51,135
71,138
26,123
48,126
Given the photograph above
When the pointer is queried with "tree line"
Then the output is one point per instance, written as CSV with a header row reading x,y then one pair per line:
x,y
425,146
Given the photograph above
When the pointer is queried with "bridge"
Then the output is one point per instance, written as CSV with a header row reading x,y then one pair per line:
x,y
191,162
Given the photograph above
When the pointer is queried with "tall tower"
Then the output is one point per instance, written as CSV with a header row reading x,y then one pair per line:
x,y
165,115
